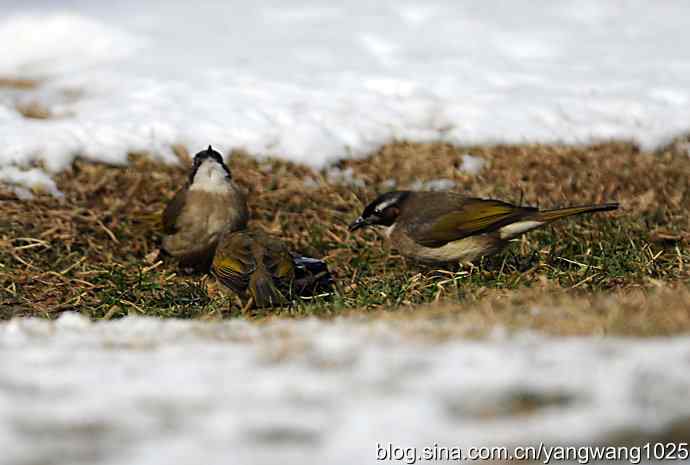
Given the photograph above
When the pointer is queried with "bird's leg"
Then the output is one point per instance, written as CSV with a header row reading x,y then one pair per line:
x,y
245,309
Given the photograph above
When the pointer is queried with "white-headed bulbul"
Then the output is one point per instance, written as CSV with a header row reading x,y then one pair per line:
x,y
443,227
209,204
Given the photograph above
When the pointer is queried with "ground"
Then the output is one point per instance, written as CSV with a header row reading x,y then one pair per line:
x,y
96,251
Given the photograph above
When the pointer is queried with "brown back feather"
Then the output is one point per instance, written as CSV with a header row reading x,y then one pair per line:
x,y
433,219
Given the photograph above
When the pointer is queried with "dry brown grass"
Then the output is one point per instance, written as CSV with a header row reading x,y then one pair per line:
x,y
96,250
34,110
631,312
19,83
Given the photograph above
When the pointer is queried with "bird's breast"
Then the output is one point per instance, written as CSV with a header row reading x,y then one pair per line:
x,y
465,250
214,212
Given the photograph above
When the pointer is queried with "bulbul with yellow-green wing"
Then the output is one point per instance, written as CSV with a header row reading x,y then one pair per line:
x,y
258,266
443,227
255,265
209,204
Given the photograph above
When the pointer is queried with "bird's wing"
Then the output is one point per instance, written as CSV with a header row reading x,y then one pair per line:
x,y
234,262
278,260
271,282
472,216
173,210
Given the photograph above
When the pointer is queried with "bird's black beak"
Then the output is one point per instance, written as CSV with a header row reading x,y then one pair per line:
x,y
358,223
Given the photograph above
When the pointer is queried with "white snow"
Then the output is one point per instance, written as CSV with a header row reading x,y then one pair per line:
x,y
314,81
54,45
345,177
22,193
147,391
471,164
432,185
34,178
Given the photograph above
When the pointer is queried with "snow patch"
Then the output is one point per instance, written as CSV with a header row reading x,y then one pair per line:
x,y
33,178
57,44
312,391
471,164
318,83
344,177
433,185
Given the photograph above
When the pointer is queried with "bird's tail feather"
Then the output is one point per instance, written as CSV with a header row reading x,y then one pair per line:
x,y
540,218
552,215
264,290
311,276
153,220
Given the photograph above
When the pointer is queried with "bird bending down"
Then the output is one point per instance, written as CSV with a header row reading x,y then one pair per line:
x,y
255,265
210,203
443,227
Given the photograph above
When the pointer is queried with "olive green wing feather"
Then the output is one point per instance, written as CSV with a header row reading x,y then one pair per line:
x,y
278,261
234,262
473,216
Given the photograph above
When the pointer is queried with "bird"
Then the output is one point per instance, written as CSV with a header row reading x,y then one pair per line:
x,y
255,265
209,204
262,270
445,227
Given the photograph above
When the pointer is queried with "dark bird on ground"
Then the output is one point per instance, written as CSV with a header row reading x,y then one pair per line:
x,y
209,204
260,267
445,227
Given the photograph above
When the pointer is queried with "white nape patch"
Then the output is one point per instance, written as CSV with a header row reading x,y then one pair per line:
x,y
210,177
383,205
515,229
